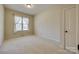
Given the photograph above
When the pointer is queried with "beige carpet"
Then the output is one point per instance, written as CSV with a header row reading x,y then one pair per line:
x,y
30,45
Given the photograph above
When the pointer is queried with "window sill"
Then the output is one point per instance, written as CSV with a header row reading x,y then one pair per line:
x,y
22,31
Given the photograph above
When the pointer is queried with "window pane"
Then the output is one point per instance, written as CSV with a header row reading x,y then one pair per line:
x,y
18,19
18,23
25,20
18,27
21,23
25,27
25,23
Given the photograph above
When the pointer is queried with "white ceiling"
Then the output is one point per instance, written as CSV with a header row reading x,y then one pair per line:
x,y
37,8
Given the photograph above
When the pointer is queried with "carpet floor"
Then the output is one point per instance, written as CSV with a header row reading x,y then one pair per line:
x,y
31,45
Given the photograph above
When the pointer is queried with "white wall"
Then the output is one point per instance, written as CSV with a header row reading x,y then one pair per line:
x,y
1,24
47,24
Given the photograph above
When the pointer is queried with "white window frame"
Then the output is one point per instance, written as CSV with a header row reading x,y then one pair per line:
x,y
21,24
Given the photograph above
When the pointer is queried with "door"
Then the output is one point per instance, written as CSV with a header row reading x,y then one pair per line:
x,y
70,29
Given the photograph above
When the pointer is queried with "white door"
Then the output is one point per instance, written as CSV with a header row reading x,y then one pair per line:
x,y
70,28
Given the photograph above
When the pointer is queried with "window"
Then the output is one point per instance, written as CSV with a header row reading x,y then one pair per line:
x,y
21,23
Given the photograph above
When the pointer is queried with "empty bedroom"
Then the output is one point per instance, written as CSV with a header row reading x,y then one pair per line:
x,y
39,28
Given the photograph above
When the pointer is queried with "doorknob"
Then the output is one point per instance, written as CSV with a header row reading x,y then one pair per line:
x,y
66,31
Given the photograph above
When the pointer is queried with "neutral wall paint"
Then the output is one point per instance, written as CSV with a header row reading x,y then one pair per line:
x,y
77,11
78,23
50,24
47,24
1,24
9,24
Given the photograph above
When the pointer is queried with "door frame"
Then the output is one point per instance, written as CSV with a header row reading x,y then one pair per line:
x,y
63,27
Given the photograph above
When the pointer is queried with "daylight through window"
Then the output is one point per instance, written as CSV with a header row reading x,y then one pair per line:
x,y
21,23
